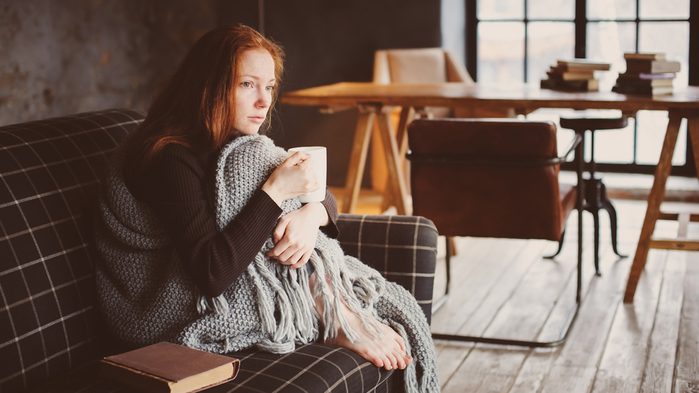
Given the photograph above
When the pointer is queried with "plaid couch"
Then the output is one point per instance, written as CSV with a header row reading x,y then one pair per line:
x,y
50,334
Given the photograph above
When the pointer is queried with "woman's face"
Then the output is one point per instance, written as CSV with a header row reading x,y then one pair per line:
x,y
253,94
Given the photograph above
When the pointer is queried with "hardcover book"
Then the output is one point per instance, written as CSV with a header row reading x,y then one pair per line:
x,y
576,85
651,66
582,65
645,56
643,90
644,82
647,75
167,367
570,76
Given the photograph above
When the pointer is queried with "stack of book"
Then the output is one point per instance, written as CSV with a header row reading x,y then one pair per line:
x,y
574,75
649,74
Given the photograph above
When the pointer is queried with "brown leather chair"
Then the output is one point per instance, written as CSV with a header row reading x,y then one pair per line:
x,y
493,178
420,65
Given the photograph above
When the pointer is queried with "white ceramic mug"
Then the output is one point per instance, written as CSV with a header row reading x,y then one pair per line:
x,y
318,161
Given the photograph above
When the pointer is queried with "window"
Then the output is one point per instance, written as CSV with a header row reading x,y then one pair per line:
x,y
516,40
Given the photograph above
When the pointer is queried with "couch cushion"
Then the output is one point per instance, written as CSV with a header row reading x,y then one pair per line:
x,y
334,370
49,171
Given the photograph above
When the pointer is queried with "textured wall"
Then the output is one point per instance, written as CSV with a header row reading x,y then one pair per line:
x,y
60,57
66,56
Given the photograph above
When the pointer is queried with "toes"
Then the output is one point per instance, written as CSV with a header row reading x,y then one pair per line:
x,y
400,342
373,357
401,360
393,361
386,361
378,361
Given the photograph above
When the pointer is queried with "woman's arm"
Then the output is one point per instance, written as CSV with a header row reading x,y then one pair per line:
x,y
175,188
296,233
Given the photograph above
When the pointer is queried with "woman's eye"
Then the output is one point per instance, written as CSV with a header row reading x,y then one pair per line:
x,y
246,84
270,88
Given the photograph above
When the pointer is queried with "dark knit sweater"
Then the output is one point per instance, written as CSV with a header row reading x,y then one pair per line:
x,y
176,186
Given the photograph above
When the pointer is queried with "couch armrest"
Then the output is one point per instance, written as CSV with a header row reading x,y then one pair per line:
x,y
402,248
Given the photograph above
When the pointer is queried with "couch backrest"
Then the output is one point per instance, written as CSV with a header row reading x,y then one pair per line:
x,y
49,173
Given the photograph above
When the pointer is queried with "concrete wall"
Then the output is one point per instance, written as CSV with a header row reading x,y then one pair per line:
x,y
60,57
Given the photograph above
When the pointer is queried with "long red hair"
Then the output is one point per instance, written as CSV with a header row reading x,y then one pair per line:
x,y
197,104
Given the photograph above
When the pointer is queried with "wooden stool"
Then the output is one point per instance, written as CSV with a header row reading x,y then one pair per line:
x,y
595,198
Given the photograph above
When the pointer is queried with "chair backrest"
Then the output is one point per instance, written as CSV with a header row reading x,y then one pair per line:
x,y
487,177
49,173
422,65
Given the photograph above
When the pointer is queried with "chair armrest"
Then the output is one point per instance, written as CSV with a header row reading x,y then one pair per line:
x,y
496,161
402,248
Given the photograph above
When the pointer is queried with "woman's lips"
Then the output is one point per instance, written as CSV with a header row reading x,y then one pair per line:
x,y
257,119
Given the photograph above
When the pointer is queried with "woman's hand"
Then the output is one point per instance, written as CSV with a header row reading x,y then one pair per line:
x,y
291,178
296,233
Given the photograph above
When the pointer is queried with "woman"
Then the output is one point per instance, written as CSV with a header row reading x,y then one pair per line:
x,y
224,90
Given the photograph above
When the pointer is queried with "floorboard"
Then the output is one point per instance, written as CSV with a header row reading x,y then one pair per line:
x,y
505,288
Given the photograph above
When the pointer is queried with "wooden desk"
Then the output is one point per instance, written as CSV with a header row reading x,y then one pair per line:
x,y
371,98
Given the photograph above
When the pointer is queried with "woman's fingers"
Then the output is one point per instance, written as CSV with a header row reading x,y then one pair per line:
x,y
285,256
295,258
280,229
304,259
281,247
295,159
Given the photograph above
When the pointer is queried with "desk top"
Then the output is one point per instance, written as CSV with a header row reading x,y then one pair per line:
x,y
520,97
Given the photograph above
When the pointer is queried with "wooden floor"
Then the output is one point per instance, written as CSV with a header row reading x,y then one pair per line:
x,y
505,288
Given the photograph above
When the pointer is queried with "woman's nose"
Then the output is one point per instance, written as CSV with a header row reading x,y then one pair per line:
x,y
264,99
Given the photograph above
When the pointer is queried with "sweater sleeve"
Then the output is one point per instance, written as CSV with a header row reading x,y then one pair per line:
x,y
330,205
175,187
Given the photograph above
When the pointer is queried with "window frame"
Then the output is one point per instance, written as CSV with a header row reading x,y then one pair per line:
x,y
580,22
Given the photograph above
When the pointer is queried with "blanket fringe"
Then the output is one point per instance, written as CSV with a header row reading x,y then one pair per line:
x,y
218,305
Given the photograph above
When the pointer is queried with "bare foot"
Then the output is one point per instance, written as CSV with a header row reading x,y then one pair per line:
x,y
387,350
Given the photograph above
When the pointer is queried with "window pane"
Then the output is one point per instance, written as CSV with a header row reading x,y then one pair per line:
x,y
671,38
615,146
651,131
607,41
548,41
551,9
664,9
500,52
611,9
501,9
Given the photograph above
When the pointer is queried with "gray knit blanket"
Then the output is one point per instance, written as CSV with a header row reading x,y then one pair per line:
x,y
146,296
